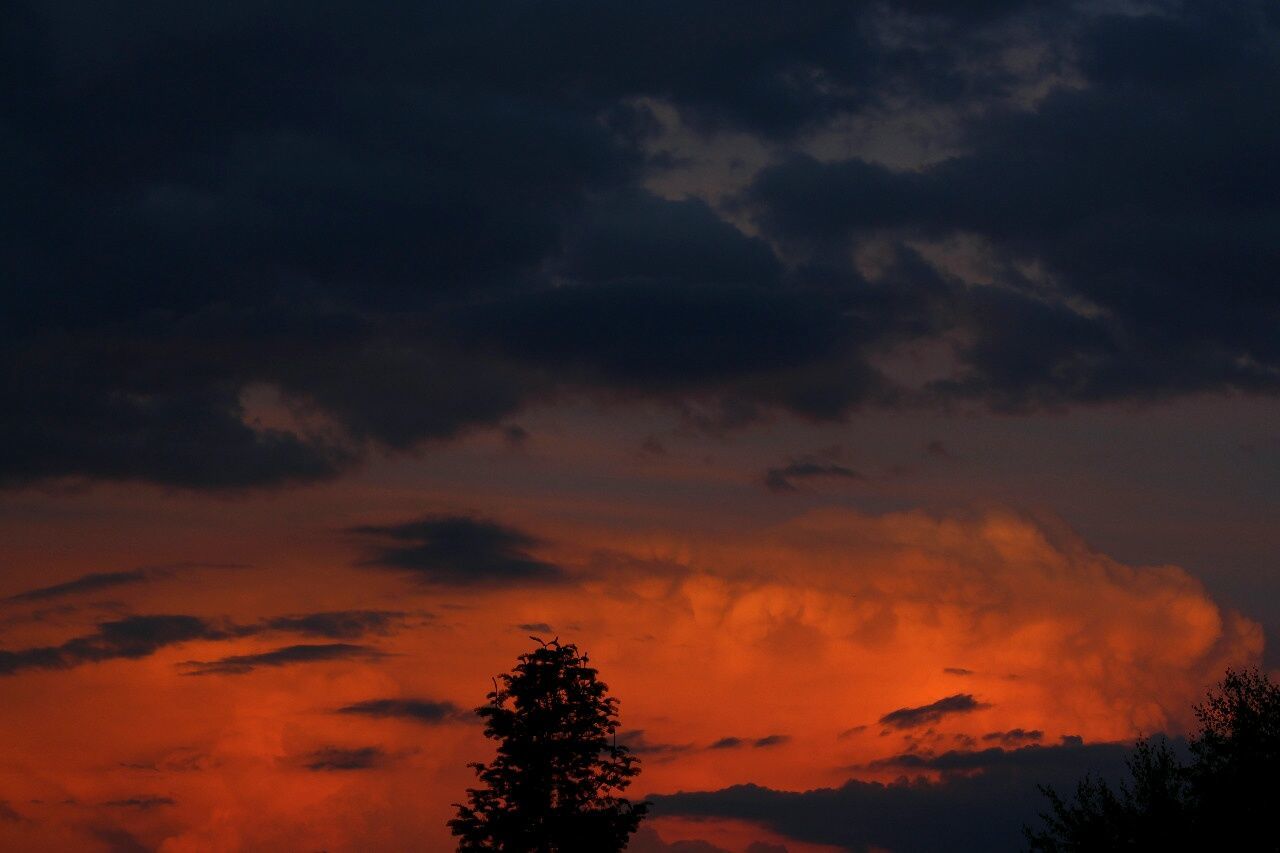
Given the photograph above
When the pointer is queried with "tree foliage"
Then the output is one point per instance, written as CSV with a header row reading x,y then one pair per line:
x,y
1218,800
553,786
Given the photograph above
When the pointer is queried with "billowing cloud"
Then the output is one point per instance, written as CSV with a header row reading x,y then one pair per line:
x,y
814,627
458,550
407,248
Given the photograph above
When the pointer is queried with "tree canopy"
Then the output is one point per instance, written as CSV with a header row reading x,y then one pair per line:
x,y
1219,798
554,785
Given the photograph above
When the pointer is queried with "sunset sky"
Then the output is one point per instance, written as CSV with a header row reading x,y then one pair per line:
x,y
885,395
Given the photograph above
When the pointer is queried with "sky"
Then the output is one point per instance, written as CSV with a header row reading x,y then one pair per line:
x,y
885,395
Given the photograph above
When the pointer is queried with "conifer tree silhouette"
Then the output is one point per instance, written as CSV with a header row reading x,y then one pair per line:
x,y
553,786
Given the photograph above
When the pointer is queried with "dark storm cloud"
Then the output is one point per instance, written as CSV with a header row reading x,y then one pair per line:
x,y
910,718
285,656
1148,196
412,222
770,740
341,758
426,711
978,810
457,550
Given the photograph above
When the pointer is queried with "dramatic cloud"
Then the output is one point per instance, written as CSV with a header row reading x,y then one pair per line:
x,y
977,811
285,656
400,227
458,551
418,710
924,715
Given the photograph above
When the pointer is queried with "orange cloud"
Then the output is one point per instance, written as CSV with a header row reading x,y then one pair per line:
x,y
788,646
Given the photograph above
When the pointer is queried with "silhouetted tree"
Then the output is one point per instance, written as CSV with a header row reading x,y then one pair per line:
x,y
1219,800
553,786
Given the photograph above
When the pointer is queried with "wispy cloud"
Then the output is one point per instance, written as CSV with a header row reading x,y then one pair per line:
x,y
285,656
909,718
418,710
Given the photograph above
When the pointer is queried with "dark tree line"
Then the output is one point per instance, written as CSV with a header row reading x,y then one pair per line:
x,y
555,783
1224,797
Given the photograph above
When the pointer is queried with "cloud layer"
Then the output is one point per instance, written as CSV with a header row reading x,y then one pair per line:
x,y
249,245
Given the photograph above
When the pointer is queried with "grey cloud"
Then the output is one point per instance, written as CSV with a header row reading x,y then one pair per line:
x,y
980,809
284,656
909,718
456,550
342,758
426,711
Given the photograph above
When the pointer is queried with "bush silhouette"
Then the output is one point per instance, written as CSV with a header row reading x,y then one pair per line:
x,y
1222,799
553,786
